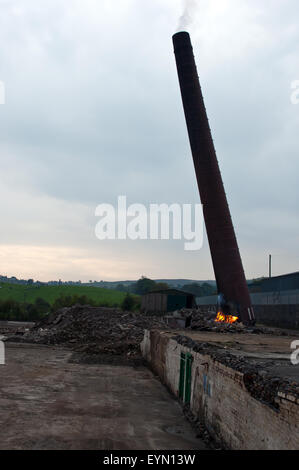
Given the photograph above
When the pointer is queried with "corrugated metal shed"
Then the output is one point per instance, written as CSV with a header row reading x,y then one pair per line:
x,y
167,300
284,297
278,283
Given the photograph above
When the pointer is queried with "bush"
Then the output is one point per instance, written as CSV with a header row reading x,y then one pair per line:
x,y
128,303
11,310
24,311
42,305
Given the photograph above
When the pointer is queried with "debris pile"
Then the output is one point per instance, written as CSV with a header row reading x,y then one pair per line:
x,y
93,330
204,320
14,328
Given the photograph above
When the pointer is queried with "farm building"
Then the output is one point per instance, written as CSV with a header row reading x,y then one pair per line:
x,y
167,300
278,283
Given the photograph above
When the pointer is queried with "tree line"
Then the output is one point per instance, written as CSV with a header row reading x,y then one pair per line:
x,y
145,285
12,310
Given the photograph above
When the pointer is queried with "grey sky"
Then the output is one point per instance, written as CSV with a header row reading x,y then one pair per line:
x,y
93,111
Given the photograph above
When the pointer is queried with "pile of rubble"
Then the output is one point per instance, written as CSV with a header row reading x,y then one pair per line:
x,y
204,320
110,331
14,328
93,330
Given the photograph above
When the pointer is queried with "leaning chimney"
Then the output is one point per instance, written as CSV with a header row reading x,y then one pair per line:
x,y
231,282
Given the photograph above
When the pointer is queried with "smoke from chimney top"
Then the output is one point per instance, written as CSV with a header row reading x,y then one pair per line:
x,y
188,14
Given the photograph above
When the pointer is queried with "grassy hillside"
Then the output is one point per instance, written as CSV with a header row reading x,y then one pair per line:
x,y
28,294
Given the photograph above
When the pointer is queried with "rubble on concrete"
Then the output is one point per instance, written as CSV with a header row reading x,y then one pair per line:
x,y
93,330
14,328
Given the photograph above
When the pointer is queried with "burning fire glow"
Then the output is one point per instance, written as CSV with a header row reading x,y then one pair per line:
x,y
221,318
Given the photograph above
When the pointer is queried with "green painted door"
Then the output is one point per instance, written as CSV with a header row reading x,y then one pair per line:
x,y
188,373
182,376
185,377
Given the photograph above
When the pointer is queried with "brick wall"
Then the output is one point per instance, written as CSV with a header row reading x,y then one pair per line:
x,y
221,400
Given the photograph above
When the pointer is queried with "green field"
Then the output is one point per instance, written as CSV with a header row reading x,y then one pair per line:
x,y
24,293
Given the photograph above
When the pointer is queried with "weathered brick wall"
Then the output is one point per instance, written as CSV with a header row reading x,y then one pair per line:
x,y
154,350
221,400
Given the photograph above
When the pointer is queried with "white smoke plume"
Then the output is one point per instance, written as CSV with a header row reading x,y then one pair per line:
x,y
188,14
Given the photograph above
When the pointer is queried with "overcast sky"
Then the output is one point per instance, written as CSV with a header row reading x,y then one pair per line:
x,y
93,111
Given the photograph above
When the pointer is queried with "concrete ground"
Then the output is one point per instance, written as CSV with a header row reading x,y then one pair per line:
x,y
47,402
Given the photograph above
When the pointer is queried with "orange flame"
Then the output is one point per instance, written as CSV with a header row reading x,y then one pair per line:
x,y
221,318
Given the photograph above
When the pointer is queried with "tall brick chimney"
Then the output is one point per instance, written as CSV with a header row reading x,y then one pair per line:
x,y
231,282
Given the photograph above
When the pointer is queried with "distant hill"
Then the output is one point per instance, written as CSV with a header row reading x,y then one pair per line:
x,y
182,282
104,284
171,282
